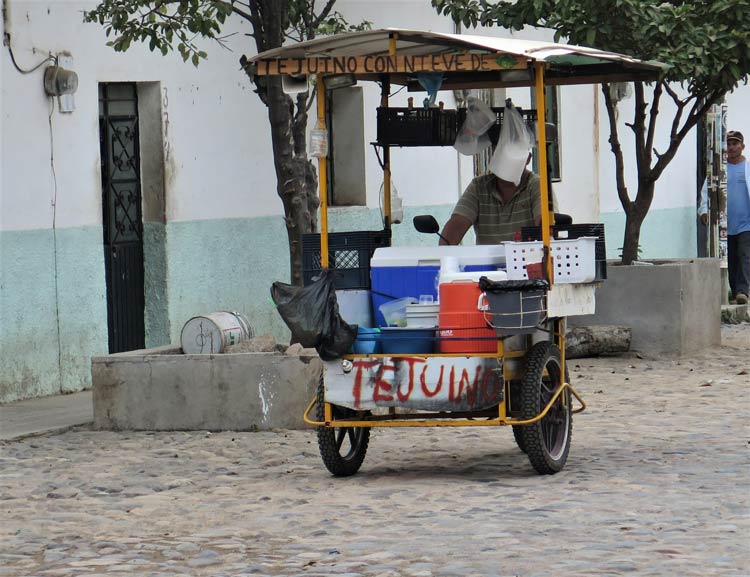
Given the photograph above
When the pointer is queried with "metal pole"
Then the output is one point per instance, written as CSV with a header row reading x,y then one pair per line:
x,y
323,177
543,176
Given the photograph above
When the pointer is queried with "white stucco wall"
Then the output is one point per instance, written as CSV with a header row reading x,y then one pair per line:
x,y
209,113
221,240
218,155
738,111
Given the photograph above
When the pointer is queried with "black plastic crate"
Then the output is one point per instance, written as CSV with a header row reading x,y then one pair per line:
x,y
417,126
576,231
529,117
349,254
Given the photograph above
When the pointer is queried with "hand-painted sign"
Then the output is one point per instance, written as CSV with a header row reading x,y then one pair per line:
x,y
450,62
420,383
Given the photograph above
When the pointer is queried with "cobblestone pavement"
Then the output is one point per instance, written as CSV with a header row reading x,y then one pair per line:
x,y
657,484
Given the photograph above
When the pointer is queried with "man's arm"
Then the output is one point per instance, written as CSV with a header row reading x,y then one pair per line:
x,y
455,229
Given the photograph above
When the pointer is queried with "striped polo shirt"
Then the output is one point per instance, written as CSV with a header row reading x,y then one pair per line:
x,y
495,221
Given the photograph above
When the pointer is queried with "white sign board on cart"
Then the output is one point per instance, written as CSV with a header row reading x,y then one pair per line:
x,y
415,382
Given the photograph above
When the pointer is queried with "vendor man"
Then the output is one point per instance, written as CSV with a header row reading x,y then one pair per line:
x,y
496,208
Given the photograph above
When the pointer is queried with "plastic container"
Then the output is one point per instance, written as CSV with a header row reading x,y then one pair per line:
x,y
422,315
514,312
474,275
574,259
407,341
349,254
416,126
463,328
399,272
368,341
214,332
394,312
355,306
571,231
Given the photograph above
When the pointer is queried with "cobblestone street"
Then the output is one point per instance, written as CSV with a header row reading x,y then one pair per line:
x,y
657,484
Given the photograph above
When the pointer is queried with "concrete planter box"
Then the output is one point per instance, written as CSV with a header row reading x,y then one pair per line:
x,y
162,389
673,307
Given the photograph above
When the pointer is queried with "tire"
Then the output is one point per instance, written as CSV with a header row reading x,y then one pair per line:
x,y
518,436
515,403
547,442
342,449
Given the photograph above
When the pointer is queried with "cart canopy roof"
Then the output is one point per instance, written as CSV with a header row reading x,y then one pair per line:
x,y
465,60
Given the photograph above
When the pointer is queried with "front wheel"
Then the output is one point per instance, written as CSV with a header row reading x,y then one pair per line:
x,y
343,449
546,442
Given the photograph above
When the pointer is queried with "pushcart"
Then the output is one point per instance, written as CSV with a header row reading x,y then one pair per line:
x,y
521,379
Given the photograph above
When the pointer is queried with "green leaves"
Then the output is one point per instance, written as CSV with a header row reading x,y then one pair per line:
x,y
178,25
161,24
706,42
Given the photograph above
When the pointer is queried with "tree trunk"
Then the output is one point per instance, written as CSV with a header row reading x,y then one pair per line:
x,y
295,175
634,217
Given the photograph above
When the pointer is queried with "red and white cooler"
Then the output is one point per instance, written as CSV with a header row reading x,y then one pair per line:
x,y
462,326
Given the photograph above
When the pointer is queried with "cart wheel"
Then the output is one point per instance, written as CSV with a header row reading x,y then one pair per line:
x,y
515,403
547,442
518,436
344,448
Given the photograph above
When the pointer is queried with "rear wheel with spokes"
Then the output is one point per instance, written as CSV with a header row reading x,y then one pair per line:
x,y
343,449
546,442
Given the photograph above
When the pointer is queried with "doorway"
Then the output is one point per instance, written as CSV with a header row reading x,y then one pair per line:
x,y
122,215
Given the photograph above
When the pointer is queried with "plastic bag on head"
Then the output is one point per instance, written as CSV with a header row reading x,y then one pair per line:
x,y
472,138
513,146
312,314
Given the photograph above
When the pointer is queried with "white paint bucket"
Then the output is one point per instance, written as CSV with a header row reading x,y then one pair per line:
x,y
213,333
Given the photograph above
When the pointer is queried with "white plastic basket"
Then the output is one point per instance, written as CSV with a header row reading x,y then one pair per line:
x,y
574,259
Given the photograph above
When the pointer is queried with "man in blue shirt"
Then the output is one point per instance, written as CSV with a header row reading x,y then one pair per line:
x,y
738,217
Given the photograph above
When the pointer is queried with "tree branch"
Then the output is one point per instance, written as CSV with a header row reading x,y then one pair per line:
x,y
642,156
323,14
307,16
256,20
679,135
311,100
680,104
653,115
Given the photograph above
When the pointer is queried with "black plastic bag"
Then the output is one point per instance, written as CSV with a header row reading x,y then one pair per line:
x,y
312,314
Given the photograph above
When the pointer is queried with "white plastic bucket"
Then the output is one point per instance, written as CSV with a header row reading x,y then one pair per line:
x,y
214,332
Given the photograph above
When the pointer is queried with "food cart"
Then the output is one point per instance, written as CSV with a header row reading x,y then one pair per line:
x,y
507,367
